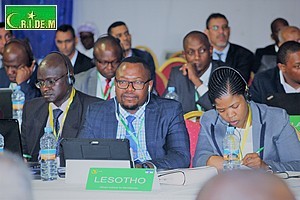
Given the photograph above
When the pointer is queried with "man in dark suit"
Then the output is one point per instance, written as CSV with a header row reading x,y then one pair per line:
x,y
153,125
19,68
283,79
190,80
263,56
120,30
55,79
232,55
66,41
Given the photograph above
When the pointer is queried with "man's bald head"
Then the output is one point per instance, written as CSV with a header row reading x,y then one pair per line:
x,y
196,35
57,59
289,33
247,185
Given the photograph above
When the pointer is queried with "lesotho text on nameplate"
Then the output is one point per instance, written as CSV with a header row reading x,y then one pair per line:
x,y
30,17
120,179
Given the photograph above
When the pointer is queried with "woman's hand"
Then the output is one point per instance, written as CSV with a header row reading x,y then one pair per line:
x,y
253,160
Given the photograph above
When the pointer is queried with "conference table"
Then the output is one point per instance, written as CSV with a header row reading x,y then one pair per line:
x,y
59,189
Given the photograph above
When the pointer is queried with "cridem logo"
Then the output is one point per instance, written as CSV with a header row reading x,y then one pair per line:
x,y
30,17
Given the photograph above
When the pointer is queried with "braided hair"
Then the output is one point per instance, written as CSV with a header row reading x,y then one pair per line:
x,y
226,80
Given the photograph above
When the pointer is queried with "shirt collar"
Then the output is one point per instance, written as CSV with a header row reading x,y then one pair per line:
x,y
224,53
287,88
139,113
73,60
205,77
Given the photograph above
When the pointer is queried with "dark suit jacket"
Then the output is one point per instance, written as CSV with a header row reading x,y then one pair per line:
x,y
82,63
260,52
28,87
148,58
166,136
35,115
185,90
265,84
241,59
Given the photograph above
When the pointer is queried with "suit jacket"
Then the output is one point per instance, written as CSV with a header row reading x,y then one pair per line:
x,y
241,59
166,136
35,115
82,63
28,87
86,82
260,52
265,84
148,58
280,142
185,90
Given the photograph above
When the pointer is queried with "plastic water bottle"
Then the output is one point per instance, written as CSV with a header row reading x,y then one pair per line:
x,y
1,143
231,144
18,99
171,94
48,155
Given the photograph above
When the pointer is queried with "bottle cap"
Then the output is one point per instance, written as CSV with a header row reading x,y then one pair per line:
x,y
48,129
17,87
230,129
171,89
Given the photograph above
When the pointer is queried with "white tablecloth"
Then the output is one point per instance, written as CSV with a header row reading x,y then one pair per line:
x,y
60,190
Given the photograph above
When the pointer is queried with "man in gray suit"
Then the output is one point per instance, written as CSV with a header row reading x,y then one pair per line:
x,y
55,79
190,80
99,81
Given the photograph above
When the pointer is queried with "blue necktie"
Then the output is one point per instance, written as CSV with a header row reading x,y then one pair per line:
x,y
219,55
56,114
133,144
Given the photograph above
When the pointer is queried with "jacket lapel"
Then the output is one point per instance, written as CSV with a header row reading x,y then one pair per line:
x,y
71,125
256,126
40,122
92,83
152,119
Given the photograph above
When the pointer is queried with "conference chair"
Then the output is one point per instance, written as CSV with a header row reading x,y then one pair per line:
x,y
147,49
161,83
193,127
168,64
176,54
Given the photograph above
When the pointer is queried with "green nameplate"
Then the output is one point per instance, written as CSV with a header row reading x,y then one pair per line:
x,y
120,179
295,121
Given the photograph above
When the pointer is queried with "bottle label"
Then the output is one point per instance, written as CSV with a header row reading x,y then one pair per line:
x,y
17,105
1,150
48,154
231,155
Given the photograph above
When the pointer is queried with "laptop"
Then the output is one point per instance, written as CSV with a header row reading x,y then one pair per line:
x,y
95,149
5,103
9,128
288,101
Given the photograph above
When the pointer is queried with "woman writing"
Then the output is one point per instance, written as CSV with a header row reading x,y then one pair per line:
x,y
258,126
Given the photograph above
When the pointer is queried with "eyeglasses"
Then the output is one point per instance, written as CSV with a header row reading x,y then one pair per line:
x,y
49,82
104,64
192,52
215,27
137,85
286,175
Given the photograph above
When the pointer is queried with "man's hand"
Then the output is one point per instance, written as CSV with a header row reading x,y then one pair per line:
x,y
253,160
189,70
24,73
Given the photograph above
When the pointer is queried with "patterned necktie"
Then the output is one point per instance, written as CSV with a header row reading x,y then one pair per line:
x,y
106,90
56,113
219,55
133,144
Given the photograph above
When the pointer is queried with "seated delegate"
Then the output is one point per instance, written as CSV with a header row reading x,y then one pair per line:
x,y
154,126
257,126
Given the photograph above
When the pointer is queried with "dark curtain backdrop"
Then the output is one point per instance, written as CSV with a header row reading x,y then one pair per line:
x,y
42,42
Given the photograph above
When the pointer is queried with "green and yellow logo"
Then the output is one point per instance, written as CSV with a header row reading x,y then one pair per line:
x,y
31,17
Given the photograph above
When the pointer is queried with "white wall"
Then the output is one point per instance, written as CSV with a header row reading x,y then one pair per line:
x,y
162,24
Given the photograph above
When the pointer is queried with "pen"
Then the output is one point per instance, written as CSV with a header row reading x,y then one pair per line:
x,y
260,150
